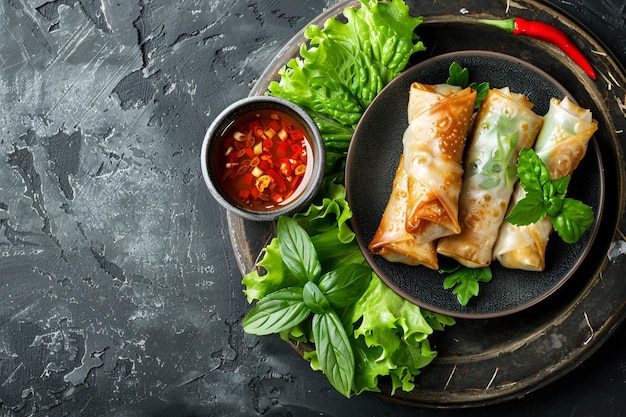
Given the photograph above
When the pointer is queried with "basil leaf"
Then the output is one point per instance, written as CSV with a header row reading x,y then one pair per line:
x,y
276,312
334,351
528,210
560,185
573,220
531,170
297,250
570,218
553,205
345,285
314,299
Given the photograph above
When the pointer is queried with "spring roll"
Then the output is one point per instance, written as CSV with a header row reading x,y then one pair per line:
x,y
561,145
504,125
392,241
433,143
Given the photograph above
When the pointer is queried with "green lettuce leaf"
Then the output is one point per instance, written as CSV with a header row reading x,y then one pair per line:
x,y
258,283
308,84
332,213
344,64
397,331
383,31
329,231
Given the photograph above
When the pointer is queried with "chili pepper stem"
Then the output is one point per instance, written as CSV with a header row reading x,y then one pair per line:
x,y
507,25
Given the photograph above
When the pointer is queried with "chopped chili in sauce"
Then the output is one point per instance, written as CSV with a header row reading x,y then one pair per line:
x,y
262,159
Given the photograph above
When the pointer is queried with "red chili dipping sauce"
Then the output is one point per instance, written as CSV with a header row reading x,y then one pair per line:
x,y
262,159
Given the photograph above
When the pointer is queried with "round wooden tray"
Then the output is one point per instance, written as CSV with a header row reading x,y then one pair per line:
x,y
487,361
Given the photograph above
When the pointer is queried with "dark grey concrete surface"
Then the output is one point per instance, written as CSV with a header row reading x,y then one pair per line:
x,y
119,289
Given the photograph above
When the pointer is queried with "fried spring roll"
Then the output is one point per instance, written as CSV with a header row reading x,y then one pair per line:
x,y
392,241
561,145
439,120
504,125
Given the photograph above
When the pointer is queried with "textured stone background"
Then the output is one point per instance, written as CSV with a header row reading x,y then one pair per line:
x,y
113,303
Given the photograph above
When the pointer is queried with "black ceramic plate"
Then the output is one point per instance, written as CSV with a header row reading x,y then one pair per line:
x,y
372,161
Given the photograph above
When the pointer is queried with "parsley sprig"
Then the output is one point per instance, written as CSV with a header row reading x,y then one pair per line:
x,y
459,76
570,218
464,281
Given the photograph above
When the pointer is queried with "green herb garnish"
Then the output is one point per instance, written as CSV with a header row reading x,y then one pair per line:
x,y
316,298
570,218
465,281
459,76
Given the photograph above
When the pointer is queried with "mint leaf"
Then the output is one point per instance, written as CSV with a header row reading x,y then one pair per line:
x,y
297,250
276,312
573,220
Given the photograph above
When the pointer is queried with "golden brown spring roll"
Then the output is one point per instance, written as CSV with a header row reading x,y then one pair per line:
x,y
433,145
504,125
561,145
392,241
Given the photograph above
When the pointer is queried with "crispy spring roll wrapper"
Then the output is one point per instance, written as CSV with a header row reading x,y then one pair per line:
x,y
433,145
504,125
392,241
561,145
424,96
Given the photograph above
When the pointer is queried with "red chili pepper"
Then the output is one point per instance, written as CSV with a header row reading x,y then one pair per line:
x,y
280,182
254,124
249,152
296,148
294,133
264,164
247,179
274,125
281,152
544,32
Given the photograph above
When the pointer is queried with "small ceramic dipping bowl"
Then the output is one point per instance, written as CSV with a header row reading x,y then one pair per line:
x,y
263,157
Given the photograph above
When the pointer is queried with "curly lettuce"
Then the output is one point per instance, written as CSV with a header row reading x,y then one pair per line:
x,y
343,66
392,337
